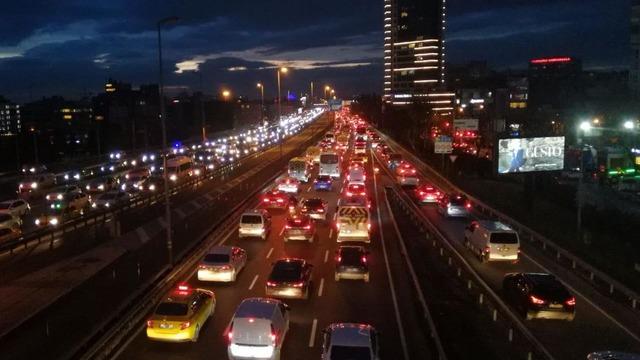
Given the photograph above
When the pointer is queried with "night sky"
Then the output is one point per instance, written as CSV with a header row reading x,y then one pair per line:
x,y
71,47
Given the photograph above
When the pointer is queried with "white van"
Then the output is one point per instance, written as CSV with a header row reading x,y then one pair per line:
x,y
356,175
255,223
257,329
492,241
179,167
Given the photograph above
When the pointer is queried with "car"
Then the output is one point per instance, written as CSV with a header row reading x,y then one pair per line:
x,y
275,199
101,185
455,205
136,181
52,217
289,278
426,194
222,263
351,263
7,234
356,174
71,203
316,208
539,295
299,227
288,185
110,199
60,193
492,241
406,174
323,182
257,329
16,207
8,221
255,223
393,160
350,341
181,315
355,189
375,140
359,158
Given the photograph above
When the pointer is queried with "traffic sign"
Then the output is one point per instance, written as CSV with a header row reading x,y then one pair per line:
x,y
443,145
453,158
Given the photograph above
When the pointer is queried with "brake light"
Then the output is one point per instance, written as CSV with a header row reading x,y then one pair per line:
x,y
307,227
338,226
320,210
571,301
287,226
185,325
269,283
338,258
149,323
349,193
183,287
422,193
299,284
266,200
363,259
536,300
368,226
273,336
280,200
468,205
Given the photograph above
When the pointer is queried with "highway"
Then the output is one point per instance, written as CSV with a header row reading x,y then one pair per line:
x,y
597,325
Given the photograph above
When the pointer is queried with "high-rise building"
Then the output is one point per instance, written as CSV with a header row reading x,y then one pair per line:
x,y
414,53
10,119
634,73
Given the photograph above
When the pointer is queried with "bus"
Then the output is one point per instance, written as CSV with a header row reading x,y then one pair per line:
x,y
179,167
330,164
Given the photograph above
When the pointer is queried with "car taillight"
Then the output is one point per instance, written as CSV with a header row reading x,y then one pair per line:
x,y
229,333
363,193
273,336
287,226
349,193
468,205
320,210
299,284
185,325
280,200
422,193
266,200
368,226
571,301
536,300
203,267
307,227
269,283
363,259
338,226
338,258
149,323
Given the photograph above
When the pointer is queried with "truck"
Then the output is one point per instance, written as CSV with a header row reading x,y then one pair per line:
x,y
298,169
353,222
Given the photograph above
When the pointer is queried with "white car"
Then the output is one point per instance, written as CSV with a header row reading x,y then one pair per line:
x,y
257,329
222,263
289,185
350,341
17,207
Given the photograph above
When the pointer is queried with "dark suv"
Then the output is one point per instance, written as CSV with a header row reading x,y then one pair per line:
x,y
352,263
539,295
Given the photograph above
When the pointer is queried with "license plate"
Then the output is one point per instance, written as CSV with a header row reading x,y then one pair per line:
x,y
165,326
555,306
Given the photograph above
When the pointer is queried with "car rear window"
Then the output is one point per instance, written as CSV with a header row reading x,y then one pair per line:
x,y
313,203
350,257
298,222
324,178
172,309
286,271
458,201
251,219
216,258
395,157
504,238
329,159
339,352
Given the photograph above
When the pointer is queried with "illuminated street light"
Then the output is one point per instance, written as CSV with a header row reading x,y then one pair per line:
x,y
596,121
585,126
629,125
226,94
261,87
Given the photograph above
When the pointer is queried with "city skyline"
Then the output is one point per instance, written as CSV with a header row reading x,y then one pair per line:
x,y
71,49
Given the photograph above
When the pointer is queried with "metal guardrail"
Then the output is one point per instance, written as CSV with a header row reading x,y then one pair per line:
x,y
613,288
486,296
101,216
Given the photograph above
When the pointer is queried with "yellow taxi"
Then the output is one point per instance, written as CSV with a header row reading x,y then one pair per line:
x,y
181,315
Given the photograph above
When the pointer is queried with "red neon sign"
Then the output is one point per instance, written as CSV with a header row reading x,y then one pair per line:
x,y
552,60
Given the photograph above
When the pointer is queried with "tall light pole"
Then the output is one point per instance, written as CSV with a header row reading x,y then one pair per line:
x,y
165,21
283,70
204,127
34,132
261,87
585,127
311,100
327,88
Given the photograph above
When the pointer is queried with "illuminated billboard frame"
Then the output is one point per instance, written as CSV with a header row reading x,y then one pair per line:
x,y
535,154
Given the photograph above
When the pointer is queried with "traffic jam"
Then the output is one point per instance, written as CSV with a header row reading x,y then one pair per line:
x,y
308,238
47,200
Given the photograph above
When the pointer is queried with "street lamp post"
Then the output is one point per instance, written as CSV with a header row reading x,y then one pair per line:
x,y
327,88
261,87
204,127
34,134
284,71
585,126
165,21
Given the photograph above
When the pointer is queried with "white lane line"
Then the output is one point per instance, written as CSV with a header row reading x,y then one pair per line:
x,y
321,287
269,253
573,290
403,340
281,231
326,255
330,234
334,216
309,189
255,278
312,338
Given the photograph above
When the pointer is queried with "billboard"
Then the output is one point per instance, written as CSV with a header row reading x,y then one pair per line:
x,y
530,154
465,124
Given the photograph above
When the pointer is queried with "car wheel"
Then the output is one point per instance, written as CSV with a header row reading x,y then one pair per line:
x,y
196,334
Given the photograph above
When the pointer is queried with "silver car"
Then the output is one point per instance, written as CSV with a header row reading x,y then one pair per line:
x,y
17,207
222,263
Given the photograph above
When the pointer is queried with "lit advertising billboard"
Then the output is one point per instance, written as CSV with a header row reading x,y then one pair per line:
x,y
530,154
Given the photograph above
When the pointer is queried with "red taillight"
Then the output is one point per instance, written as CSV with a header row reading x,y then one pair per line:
x,y
321,210
363,259
468,205
149,323
229,336
307,227
338,258
338,226
273,336
280,200
287,226
185,325
183,287
349,193
266,200
536,300
571,301
422,193
368,226
299,284
269,283
363,193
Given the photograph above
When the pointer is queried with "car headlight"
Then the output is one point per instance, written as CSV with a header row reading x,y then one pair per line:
x,y
106,204
173,177
53,221
37,221
59,196
94,205
53,206
101,187
152,187
34,185
87,187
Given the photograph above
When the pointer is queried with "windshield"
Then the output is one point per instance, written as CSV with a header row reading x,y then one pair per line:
x,y
339,352
217,258
329,159
286,271
172,309
504,238
251,219
313,203
324,178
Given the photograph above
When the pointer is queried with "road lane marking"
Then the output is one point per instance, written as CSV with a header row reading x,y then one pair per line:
x,y
269,253
334,216
255,278
281,231
403,340
326,255
309,189
321,287
312,338
330,234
